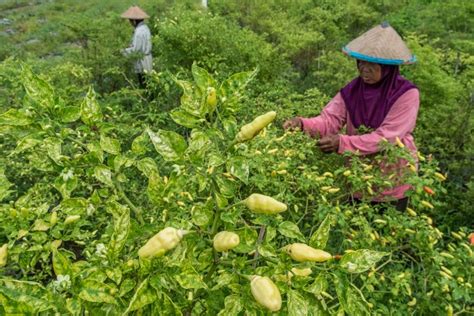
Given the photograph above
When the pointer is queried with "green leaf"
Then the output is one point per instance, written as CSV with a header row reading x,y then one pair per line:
x,y
4,185
109,145
143,296
215,159
297,305
53,148
122,161
40,226
169,145
239,167
232,306
74,206
96,151
147,166
103,174
202,78
230,125
319,285
169,307
317,307
91,113
140,144
266,250
221,201
191,98
320,237
361,260
202,214
190,280
115,274
226,186
61,264
126,286
290,230
223,279
66,183
14,117
341,283
231,216
270,233
248,238
97,292
23,297
96,274
182,117
74,306
155,188
121,216
202,181
231,88
199,144
69,114
39,91
351,300
356,303
26,143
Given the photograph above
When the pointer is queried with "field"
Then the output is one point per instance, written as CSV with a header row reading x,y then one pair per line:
x,y
113,198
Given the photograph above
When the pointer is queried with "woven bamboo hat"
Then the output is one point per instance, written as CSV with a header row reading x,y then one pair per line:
x,y
135,13
381,45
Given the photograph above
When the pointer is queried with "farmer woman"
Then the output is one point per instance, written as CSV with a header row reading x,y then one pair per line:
x,y
379,99
141,42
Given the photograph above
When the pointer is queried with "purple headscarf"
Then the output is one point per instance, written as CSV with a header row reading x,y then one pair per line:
x,y
368,104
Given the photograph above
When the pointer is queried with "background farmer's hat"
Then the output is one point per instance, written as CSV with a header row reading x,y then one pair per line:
x,y
381,45
135,13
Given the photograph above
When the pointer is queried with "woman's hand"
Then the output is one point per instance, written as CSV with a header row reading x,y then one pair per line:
x,y
329,143
293,123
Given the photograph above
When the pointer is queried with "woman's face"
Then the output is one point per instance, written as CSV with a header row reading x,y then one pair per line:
x,y
370,73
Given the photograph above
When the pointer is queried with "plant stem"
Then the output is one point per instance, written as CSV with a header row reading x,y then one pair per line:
x,y
231,145
213,267
136,210
271,260
215,224
233,205
261,235
77,142
305,212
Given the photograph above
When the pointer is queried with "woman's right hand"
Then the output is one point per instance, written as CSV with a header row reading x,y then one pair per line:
x,y
293,123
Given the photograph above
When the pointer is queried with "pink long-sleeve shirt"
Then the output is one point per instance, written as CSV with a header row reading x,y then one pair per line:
x,y
399,122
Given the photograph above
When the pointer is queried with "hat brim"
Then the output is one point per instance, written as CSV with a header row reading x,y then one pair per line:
x,y
135,17
135,13
378,60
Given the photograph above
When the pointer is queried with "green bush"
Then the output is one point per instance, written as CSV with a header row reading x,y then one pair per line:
x,y
221,46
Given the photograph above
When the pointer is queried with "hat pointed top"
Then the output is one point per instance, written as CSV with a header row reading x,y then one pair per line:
x,y
135,13
382,45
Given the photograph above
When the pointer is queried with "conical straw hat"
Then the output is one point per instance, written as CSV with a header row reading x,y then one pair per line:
x,y
135,13
381,45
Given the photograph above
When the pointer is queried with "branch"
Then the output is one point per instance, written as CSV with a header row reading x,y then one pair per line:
x,y
136,210
261,235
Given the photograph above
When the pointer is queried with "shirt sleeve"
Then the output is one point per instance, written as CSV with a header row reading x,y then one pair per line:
x,y
330,121
139,42
399,122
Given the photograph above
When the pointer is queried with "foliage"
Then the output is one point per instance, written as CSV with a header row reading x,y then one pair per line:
x,y
92,167
76,167
187,36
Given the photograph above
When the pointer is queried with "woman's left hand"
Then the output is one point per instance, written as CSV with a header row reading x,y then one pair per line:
x,y
329,143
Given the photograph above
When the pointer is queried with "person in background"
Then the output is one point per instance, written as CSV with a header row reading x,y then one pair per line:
x,y
141,42
379,99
